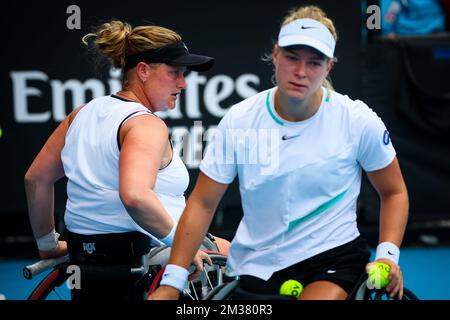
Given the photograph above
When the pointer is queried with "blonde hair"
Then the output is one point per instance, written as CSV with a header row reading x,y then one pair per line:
x,y
116,40
312,12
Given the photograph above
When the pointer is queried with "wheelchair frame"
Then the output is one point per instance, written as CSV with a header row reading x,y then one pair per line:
x,y
195,290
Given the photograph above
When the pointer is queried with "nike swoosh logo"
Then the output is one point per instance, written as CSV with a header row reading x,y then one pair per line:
x,y
303,27
286,137
392,254
331,271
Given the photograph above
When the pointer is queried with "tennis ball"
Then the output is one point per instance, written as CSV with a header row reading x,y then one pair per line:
x,y
379,275
1,132
291,288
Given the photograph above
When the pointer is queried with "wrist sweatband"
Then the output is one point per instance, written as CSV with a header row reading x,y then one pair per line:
x,y
168,240
388,250
175,276
48,242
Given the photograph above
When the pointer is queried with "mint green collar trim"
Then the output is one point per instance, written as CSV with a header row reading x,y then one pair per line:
x,y
327,99
271,112
316,212
327,92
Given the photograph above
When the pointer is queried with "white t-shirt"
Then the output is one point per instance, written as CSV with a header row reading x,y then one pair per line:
x,y
91,163
299,181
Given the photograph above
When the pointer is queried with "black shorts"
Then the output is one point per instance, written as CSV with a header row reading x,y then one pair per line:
x,y
342,265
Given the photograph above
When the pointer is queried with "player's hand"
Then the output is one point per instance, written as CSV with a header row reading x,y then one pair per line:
x,y
198,262
395,278
59,251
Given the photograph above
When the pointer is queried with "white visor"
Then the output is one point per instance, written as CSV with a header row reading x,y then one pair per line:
x,y
307,32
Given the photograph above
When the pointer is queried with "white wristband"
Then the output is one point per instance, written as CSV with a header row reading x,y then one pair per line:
x,y
388,250
48,242
175,276
168,240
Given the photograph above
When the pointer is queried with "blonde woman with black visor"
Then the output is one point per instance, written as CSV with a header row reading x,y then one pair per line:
x,y
300,209
125,182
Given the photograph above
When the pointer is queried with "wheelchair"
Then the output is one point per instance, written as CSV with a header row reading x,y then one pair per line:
x,y
231,291
148,274
363,292
211,277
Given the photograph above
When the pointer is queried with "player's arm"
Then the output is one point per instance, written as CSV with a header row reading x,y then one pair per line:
x,y
394,206
46,169
144,141
390,186
192,228
196,219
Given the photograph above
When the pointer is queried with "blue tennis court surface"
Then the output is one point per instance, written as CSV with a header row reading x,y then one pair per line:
x,y
425,271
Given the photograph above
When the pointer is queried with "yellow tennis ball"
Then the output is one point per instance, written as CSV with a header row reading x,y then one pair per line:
x,y
379,275
1,132
291,288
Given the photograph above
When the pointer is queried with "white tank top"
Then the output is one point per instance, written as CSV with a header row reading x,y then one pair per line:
x,y
91,163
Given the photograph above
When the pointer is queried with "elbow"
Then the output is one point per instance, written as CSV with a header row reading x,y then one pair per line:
x,y
404,194
34,176
398,192
407,202
30,178
35,182
202,204
131,199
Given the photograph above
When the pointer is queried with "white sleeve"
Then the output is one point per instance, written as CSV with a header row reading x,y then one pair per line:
x,y
375,149
219,162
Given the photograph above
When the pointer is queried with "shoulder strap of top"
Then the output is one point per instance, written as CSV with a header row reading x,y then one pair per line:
x,y
125,119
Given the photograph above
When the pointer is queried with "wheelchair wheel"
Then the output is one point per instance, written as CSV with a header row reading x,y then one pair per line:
x,y
222,291
364,293
50,284
159,256
211,277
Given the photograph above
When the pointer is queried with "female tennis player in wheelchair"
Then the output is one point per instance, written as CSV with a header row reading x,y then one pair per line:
x,y
299,150
125,182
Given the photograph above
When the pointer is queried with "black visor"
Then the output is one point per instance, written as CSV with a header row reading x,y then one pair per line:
x,y
176,54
